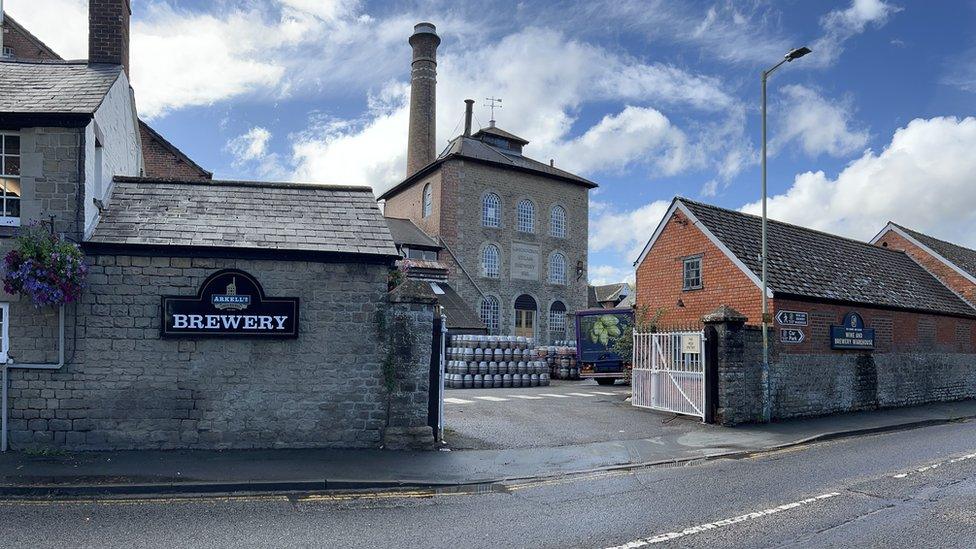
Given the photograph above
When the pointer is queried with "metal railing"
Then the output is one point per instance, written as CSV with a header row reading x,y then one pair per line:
x,y
669,372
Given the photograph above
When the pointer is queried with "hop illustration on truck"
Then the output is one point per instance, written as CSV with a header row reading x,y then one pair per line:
x,y
605,328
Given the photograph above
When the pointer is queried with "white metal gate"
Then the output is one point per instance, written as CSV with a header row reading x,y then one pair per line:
x,y
669,372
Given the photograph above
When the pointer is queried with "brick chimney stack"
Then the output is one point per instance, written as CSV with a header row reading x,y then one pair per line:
x,y
422,138
108,32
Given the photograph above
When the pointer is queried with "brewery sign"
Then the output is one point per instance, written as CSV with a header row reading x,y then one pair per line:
x,y
230,303
791,318
852,335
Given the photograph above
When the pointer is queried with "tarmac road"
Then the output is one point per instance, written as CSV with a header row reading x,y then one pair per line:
x,y
898,489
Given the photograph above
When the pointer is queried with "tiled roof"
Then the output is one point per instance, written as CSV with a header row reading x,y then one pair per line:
x,y
406,233
54,87
961,257
475,149
246,215
809,263
492,130
459,315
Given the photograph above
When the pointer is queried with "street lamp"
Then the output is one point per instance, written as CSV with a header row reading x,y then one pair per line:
x,y
766,319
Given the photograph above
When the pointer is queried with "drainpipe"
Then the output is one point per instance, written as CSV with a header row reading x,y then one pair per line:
x,y
10,365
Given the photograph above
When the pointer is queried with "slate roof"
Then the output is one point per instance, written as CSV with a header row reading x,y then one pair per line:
x,y
961,257
808,263
607,292
406,233
54,87
244,215
492,130
479,151
459,315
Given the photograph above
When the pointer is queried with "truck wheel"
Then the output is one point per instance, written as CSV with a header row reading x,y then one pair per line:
x,y
605,381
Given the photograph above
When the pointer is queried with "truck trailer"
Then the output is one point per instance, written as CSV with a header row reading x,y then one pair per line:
x,y
597,330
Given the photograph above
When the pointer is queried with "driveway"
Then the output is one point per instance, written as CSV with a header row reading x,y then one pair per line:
x,y
566,412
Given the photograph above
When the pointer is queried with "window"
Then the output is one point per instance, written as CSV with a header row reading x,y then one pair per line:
x,y
557,269
491,211
414,253
557,320
428,200
489,313
10,179
692,273
557,222
526,216
489,261
8,51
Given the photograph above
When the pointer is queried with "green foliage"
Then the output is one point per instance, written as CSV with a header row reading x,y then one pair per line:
x,y
644,322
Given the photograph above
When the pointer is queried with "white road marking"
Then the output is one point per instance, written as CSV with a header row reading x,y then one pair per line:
x,y
553,395
935,465
602,393
722,523
525,397
492,399
457,401
580,394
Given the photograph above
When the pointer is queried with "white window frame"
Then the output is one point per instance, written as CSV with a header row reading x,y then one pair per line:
x,y
557,221
4,332
7,52
557,271
491,314
427,207
557,318
526,216
491,267
685,286
486,219
10,221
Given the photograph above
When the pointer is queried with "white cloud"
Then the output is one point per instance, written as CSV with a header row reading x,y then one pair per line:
x,y
817,125
626,232
66,34
250,146
610,274
841,25
923,179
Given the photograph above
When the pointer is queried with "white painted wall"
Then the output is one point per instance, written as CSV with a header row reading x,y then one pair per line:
x,y
121,153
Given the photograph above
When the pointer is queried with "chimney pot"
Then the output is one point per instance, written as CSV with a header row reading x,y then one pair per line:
x,y
109,21
422,136
468,113
552,162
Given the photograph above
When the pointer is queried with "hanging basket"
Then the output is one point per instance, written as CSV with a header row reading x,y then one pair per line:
x,y
45,268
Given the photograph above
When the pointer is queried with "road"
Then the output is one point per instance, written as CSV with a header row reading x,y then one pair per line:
x,y
900,489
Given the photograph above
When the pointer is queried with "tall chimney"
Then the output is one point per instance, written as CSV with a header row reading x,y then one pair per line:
x,y
468,112
422,138
108,32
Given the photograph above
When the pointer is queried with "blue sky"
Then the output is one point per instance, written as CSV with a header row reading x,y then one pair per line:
x,y
649,99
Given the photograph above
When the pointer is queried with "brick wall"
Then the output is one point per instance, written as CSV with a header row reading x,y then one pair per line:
x,y
24,46
660,277
160,161
125,387
951,278
408,204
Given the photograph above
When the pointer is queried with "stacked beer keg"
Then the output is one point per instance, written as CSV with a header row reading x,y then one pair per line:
x,y
493,362
561,360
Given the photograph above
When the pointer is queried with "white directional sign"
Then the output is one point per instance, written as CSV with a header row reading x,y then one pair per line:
x,y
791,318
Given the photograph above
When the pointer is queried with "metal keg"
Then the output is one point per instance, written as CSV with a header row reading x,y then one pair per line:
x,y
478,381
534,380
521,367
516,380
544,379
468,381
492,367
496,381
507,380
499,354
482,367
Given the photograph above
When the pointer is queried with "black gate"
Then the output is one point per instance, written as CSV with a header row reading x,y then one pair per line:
x,y
434,394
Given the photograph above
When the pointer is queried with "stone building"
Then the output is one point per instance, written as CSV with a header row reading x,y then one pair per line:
x,y
513,230
160,157
216,314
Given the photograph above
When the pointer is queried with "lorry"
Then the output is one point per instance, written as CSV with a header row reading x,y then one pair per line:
x,y
596,332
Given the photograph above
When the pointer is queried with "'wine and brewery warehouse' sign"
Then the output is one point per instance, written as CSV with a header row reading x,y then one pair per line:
x,y
230,303
852,335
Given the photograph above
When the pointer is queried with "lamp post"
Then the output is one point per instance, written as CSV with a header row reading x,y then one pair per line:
x,y
766,319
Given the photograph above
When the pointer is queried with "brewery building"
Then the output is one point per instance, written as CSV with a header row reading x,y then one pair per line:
x,y
511,231
214,314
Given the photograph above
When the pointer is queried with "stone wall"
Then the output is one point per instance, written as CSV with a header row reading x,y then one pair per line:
x,y
125,387
828,381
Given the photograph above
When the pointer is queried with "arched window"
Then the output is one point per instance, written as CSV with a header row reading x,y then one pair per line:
x,y
491,211
489,313
557,269
526,216
428,200
557,320
489,261
557,222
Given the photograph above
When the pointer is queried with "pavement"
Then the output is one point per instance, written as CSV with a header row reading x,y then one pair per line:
x,y
650,438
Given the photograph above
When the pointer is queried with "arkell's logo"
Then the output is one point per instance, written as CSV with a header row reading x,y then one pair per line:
x,y
231,300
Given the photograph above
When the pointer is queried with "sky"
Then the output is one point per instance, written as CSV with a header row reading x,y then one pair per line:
x,y
650,99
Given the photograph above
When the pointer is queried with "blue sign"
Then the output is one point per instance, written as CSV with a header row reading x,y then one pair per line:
x,y
852,335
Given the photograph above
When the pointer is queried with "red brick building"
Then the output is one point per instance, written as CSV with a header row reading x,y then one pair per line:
x,y
161,158
954,265
702,256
